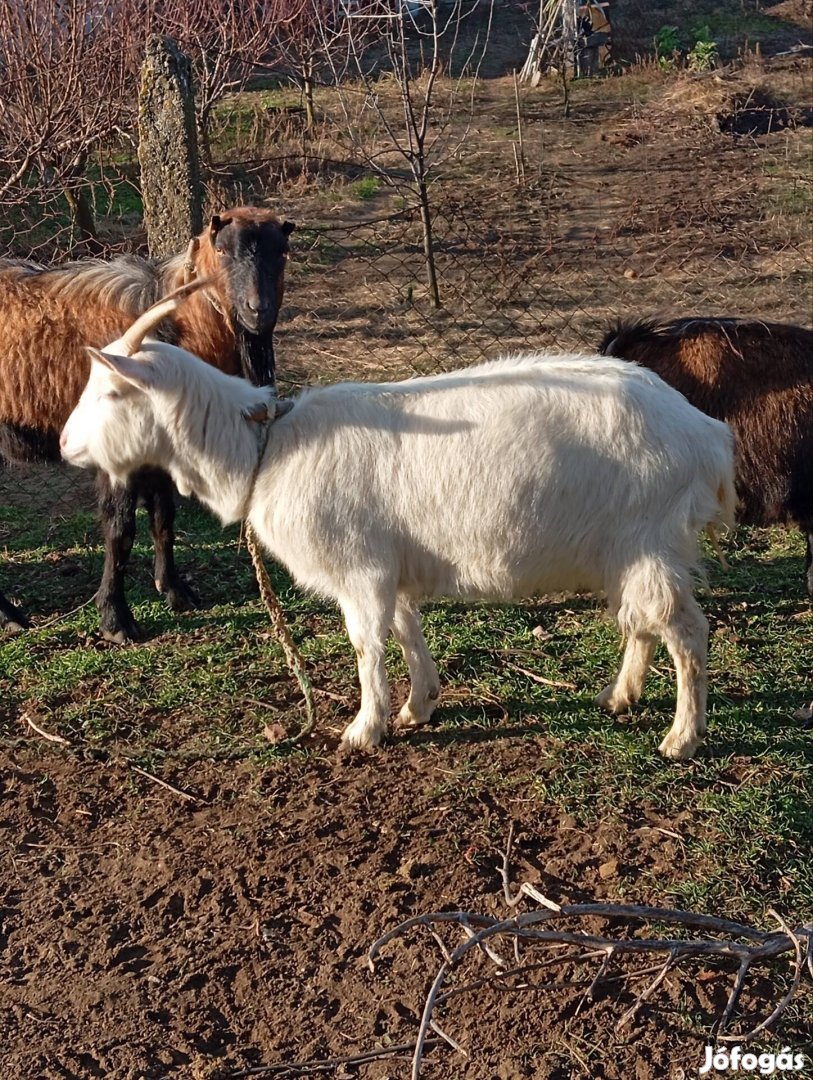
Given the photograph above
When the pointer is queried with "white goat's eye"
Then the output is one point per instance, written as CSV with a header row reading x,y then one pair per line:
x,y
112,395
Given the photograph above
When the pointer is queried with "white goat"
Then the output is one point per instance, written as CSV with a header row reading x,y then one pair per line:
x,y
520,476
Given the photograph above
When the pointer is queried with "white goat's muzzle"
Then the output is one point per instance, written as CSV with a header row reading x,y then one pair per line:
x,y
72,449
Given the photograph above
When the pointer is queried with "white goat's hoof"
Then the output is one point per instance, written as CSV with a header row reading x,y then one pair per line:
x,y
613,703
408,720
679,748
361,737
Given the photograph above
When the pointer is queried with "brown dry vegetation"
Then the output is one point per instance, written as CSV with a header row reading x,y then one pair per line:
x,y
637,205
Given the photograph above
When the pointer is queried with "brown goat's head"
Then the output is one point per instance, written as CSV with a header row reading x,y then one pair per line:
x,y
250,246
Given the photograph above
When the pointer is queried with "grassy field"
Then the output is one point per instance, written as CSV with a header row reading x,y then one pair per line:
x,y
203,686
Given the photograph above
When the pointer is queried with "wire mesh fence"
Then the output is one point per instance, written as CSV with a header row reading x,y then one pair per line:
x,y
510,280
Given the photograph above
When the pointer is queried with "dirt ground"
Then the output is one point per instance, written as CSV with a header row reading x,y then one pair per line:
x,y
221,925
147,934
638,204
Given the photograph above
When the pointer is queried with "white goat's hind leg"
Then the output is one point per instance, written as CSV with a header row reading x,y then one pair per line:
x,y
628,684
368,623
686,638
424,689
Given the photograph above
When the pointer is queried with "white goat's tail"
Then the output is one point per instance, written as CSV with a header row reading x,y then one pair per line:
x,y
727,501
726,510
131,340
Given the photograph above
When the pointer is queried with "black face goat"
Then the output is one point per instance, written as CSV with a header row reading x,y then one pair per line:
x,y
758,377
49,316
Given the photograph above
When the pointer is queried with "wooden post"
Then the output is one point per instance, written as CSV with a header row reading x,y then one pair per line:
x,y
168,149
520,157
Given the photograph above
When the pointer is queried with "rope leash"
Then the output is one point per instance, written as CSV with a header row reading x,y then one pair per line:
x,y
293,657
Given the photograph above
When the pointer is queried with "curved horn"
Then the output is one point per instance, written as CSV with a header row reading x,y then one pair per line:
x,y
131,340
189,268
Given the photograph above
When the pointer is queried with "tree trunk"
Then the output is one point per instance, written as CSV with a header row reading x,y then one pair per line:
x,y
307,93
84,225
565,87
168,149
428,244
202,123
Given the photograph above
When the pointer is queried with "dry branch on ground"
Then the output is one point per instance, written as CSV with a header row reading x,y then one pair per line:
x,y
720,939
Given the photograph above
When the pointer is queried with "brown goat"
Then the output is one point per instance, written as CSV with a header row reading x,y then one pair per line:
x,y
49,316
757,376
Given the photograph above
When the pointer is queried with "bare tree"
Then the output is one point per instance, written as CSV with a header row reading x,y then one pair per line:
x,y
69,71
414,43
313,43
64,94
225,39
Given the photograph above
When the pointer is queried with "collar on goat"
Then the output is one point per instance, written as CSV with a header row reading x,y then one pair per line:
x,y
190,276
264,423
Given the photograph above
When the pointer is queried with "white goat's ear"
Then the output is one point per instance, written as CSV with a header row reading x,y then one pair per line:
x,y
256,413
281,408
138,373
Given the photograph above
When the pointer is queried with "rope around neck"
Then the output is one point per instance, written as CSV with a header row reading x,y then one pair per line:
x,y
293,657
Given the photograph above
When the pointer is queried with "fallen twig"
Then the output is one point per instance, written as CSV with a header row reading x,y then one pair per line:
x,y
723,938
525,889
162,783
65,615
760,946
292,1068
556,683
41,731
455,1045
136,768
794,986
344,699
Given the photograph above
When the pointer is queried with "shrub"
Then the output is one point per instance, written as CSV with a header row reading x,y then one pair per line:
x,y
703,56
667,44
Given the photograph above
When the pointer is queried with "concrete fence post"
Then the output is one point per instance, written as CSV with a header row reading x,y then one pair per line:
x,y
168,149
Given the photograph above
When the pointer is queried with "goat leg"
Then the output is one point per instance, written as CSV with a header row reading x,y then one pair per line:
x,y
808,531
158,494
11,616
117,507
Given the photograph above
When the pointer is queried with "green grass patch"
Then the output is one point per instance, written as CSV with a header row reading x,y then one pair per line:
x,y
204,684
367,188
735,23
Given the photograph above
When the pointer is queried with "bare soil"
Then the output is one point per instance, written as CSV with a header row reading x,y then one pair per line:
x,y
639,204
145,935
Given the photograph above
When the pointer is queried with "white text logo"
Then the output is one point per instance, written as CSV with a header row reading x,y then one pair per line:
x,y
765,1064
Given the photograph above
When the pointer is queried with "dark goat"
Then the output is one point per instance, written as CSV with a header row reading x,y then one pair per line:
x,y
49,316
757,376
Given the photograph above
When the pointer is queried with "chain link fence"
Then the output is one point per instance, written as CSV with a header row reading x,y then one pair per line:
x,y
549,266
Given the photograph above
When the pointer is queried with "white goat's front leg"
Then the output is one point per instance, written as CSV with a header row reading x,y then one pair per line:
x,y
424,689
629,682
368,616
686,638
